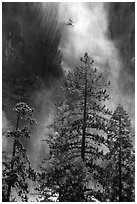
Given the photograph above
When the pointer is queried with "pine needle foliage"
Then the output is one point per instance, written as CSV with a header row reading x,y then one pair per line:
x,y
76,133
16,166
120,171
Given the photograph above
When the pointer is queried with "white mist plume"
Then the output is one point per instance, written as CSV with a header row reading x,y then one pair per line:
x,y
40,148
5,127
5,122
89,34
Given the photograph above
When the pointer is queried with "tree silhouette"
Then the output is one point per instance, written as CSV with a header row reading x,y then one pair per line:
x,y
16,167
71,137
85,91
120,170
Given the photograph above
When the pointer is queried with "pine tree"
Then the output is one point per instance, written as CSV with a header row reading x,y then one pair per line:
x,y
16,167
120,170
63,181
77,115
63,174
85,92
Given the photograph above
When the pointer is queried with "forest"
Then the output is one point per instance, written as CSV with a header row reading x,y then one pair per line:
x,y
68,85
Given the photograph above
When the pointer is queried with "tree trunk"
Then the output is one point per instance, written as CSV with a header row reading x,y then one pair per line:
x,y
84,118
120,182
12,164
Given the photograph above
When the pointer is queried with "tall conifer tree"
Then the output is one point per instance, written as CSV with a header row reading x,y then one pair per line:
x,y
120,171
16,167
80,116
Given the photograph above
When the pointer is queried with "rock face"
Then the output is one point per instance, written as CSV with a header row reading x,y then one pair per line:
x,y
31,60
122,32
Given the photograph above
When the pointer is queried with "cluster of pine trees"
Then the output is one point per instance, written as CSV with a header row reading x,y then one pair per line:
x,y
91,154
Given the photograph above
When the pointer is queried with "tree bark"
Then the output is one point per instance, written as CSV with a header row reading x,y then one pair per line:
x,y
84,118
12,163
120,182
